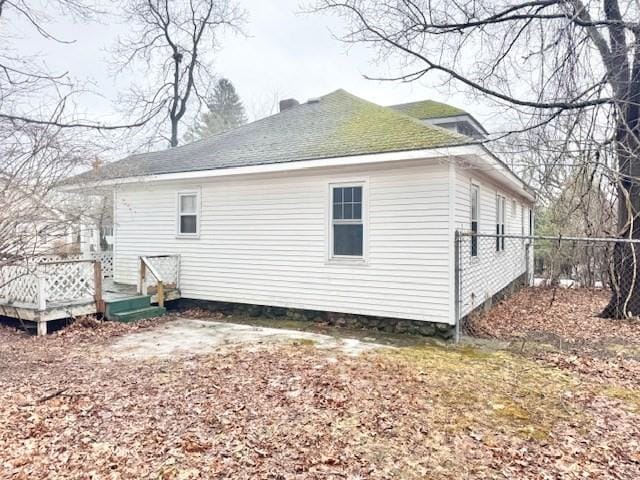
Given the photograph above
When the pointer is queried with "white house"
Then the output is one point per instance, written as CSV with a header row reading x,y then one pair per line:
x,y
336,204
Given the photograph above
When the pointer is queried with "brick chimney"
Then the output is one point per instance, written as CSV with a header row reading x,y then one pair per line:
x,y
288,103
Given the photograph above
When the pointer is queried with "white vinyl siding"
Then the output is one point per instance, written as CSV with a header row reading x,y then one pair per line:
x,y
491,270
264,239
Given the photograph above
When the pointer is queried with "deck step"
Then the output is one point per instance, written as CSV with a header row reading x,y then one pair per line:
x,y
138,314
126,305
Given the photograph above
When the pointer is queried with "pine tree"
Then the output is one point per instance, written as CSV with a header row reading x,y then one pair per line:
x,y
224,112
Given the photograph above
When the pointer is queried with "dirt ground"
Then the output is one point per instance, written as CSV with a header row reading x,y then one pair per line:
x,y
192,336
91,403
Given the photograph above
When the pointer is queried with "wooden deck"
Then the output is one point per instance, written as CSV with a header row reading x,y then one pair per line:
x,y
69,289
83,306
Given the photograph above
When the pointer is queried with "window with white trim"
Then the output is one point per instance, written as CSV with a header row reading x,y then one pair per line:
x,y
188,214
347,226
501,204
475,217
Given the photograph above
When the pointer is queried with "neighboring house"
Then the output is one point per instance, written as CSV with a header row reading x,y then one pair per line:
x,y
336,204
59,223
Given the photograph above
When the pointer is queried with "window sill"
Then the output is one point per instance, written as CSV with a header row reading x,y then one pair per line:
x,y
355,261
188,235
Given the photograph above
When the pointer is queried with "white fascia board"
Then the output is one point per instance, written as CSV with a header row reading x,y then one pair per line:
x,y
494,168
473,151
431,153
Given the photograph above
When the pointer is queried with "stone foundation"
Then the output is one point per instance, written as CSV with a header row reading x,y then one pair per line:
x,y
384,324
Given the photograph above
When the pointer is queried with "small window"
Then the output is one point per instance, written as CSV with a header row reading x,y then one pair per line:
x,y
475,205
346,221
500,215
187,213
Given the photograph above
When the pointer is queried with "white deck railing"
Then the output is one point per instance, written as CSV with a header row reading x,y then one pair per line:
x,y
52,280
49,284
158,272
19,284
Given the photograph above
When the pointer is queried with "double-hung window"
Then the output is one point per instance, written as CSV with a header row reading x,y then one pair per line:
x,y
475,210
347,226
500,216
188,214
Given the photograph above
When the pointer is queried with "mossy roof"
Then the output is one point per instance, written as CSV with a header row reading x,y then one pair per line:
x,y
428,109
335,125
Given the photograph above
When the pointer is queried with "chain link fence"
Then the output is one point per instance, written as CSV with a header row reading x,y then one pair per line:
x,y
490,267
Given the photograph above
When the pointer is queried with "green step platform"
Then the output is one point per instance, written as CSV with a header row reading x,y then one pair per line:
x,y
132,308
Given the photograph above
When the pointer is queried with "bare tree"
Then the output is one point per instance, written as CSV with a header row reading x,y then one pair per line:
x,y
558,63
42,140
172,41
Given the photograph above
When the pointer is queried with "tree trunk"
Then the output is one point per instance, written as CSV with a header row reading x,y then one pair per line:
x,y
174,132
625,267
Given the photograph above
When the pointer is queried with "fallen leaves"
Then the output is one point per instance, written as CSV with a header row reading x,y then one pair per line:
x,y
296,412
568,314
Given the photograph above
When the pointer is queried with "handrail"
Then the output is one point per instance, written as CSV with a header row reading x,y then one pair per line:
x,y
146,264
151,268
57,262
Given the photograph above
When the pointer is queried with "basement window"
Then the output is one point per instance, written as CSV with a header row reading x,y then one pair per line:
x,y
188,206
347,226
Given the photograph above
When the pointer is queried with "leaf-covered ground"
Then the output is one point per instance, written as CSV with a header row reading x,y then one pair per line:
x,y
70,410
558,315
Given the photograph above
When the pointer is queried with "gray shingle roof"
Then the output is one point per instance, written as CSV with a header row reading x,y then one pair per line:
x,y
338,124
428,109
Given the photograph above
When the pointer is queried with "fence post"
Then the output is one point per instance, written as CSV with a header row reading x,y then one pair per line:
x,y
141,278
97,282
527,267
457,294
42,299
160,293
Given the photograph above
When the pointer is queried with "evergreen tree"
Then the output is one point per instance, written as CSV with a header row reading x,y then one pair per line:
x,y
224,112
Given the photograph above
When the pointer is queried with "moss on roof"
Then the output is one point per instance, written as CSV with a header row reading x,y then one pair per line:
x,y
338,124
373,128
428,109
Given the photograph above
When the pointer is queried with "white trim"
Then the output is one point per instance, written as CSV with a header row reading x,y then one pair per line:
x,y
474,151
114,246
348,259
179,214
452,235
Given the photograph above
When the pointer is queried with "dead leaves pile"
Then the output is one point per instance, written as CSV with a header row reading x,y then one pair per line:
x,y
295,412
565,314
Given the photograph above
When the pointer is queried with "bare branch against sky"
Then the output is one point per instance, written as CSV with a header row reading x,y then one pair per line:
x,y
171,40
562,63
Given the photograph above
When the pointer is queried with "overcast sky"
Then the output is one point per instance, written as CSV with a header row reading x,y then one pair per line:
x,y
286,53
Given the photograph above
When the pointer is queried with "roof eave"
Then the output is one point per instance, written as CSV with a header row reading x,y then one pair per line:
x,y
415,154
